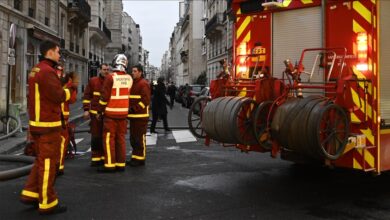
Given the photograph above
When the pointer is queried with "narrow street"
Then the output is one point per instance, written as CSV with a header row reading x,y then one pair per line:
x,y
183,179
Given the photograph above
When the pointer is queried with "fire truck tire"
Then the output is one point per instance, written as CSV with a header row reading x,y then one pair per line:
x,y
243,121
329,130
195,116
261,124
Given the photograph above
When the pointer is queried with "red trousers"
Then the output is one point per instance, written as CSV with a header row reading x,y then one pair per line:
x,y
138,129
40,183
64,147
97,152
114,144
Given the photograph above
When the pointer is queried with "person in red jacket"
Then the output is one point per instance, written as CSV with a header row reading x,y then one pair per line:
x,y
45,96
114,104
90,105
138,116
67,81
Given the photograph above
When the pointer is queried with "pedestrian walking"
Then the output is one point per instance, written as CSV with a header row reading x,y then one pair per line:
x,y
159,105
44,110
67,80
90,105
114,104
138,116
172,92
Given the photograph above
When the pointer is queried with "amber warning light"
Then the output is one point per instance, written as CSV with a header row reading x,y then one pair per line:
x,y
362,48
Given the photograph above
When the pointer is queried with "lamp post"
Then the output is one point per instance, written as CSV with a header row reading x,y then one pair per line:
x,y
11,62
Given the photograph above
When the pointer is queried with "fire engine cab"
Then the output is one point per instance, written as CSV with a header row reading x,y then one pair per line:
x,y
309,83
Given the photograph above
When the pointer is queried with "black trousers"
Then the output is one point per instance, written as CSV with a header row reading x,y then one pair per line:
x,y
172,97
155,117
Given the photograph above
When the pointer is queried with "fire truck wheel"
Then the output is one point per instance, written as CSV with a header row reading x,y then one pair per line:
x,y
243,121
262,120
195,116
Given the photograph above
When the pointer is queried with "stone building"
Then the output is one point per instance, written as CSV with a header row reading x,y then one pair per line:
x,y
113,13
130,39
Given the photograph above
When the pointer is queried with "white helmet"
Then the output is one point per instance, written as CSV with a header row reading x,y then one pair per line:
x,y
119,62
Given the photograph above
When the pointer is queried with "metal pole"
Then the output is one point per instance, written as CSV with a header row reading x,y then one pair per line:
x,y
8,94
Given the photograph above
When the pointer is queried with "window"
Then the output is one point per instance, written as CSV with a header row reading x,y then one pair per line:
x,y
31,8
48,10
18,4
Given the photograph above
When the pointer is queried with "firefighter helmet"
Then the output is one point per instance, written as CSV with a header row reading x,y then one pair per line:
x,y
119,62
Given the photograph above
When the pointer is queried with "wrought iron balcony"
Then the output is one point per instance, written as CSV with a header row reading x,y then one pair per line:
x,y
106,31
215,24
80,9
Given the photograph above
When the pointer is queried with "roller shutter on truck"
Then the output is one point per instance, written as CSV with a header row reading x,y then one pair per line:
x,y
384,59
293,31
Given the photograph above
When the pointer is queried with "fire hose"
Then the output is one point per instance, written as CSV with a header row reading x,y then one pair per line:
x,y
17,172
16,129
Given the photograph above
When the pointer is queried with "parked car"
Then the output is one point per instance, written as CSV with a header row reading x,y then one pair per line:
x,y
189,96
179,94
204,93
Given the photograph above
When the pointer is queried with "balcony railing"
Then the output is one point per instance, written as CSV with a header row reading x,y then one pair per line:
x,y
81,7
215,23
106,31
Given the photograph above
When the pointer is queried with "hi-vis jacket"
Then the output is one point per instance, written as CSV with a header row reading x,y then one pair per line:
x,y
45,95
65,105
139,99
114,98
92,94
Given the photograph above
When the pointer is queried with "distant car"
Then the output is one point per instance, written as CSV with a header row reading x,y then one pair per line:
x,y
179,94
189,96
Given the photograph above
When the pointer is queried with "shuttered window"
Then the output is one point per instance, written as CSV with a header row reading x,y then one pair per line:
x,y
384,62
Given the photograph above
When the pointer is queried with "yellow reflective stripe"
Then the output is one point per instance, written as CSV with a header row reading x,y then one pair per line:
x,y
141,104
67,94
62,151
37,103
144,143
108,150
109,165
137,115
63,109
137,157
362,10
102,158
45,183
93,112
117,109
96,159
45,124
119,97
134,96
102,103
120,164
30,194
85,101
48,206
96,93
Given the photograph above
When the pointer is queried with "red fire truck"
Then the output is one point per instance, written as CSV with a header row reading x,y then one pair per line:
x,y
308,83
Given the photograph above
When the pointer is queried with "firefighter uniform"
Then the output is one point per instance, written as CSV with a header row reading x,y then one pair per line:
x,y
139,117
44,108
114,102
65,130
91,103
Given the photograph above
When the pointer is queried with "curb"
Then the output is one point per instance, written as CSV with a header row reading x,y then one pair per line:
x,y
22,144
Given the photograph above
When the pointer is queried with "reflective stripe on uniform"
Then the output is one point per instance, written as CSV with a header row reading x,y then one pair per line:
x,y
117,109
63,109
96,93
119,97
102,103
120,164
45,183
45,124
134,96
141,104
48,206
108,150
67,94
37,103
144,152
62,151
85,101
143,115
93,112
96,159
30,194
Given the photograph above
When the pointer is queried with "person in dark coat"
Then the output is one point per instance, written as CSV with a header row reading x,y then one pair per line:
x,y
172,92
159,105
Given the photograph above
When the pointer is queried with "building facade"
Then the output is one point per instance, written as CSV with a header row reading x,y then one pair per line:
x,y
130,39
36,21
113,12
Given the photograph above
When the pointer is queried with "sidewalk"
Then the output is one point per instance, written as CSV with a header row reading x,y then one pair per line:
x,y
18,141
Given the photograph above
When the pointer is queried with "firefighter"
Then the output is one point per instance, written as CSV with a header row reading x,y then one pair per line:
x,y
67,81
114,107
138,116
44,108
90,105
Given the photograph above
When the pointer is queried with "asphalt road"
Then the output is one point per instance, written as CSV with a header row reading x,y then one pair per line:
x,y
186,180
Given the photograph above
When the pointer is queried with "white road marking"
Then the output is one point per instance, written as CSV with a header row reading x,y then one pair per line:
x,y
183,136
78,140
173,148
151,140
